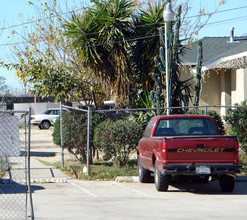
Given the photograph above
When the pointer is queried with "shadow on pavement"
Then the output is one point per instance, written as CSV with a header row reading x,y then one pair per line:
x,y
11,187
39,154
212,187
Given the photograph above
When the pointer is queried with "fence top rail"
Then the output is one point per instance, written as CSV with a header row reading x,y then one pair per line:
x,y
14,111
185,107
77,109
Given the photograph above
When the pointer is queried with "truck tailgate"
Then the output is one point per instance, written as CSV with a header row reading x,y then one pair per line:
x,y
201,149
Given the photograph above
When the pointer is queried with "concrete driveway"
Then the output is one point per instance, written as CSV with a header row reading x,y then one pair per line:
x,y
99,200
92,200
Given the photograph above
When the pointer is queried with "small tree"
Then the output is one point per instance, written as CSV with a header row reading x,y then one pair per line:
x,y
75,133
237,118
117,139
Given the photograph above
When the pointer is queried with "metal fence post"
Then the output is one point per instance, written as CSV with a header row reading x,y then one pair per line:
x,y
206,110
28,165
88,139
61,135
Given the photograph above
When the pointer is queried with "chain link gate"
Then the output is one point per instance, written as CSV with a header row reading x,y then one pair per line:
x,y
75,124
15,188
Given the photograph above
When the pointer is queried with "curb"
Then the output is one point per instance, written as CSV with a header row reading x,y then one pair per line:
x,y
127,179
50,180
241,179
37,180
135,179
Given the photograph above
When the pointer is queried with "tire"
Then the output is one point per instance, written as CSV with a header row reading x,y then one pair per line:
x,y
40,127
227,183
144,174
45,124
161,180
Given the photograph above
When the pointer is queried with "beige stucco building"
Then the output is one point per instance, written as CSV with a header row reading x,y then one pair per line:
x,y
224,70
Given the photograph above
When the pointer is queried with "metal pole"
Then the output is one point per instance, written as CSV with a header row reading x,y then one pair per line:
x,y
88,138
167,73
61,135
206,110
28,165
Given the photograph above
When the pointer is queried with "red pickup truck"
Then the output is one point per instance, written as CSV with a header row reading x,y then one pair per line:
x,y
187,145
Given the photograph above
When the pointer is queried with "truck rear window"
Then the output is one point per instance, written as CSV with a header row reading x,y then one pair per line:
x,y
185,126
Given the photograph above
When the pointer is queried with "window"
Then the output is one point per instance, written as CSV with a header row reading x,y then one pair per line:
x,y
148,128
185,126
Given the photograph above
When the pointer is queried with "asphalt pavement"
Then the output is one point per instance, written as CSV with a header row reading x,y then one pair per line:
x,y
59,197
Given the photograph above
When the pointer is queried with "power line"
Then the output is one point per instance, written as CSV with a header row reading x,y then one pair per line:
x,y
226,20
42,19
232,9
143,37
213,23
38,20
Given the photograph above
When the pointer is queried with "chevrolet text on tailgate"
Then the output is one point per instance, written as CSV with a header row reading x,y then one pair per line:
x,y
187,145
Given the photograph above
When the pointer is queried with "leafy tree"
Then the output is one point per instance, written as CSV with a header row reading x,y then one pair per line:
x,y
47,63
93,61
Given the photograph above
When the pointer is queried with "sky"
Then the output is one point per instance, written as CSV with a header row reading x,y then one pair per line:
x,y
14,12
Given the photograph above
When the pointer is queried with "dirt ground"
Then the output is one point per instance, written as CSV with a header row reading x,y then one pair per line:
x,y
42,146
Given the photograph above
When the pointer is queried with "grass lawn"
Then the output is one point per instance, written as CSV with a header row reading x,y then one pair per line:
x,y
99,170
102,170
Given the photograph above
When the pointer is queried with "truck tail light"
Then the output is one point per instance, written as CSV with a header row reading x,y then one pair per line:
x,y
164,150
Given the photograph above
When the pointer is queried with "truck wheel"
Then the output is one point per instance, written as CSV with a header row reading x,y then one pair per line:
x,y
227,183
144,174
161,180
45,124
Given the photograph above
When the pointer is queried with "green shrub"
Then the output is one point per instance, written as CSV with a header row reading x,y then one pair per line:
x,y
117,139
56,132
237,118
74,134
75,125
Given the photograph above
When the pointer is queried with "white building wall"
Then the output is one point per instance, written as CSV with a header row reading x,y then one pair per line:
x,y
225,87
210,89
36,108
239,85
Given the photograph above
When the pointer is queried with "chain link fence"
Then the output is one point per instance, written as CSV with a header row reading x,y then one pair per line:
x,y
15,193
81,124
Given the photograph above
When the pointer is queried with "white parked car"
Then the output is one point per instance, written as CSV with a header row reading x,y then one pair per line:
x,y
45,119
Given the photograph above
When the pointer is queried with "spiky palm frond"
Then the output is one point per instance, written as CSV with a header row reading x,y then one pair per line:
x,y
100,38
147,45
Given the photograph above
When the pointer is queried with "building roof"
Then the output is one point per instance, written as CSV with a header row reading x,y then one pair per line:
x,y
216,50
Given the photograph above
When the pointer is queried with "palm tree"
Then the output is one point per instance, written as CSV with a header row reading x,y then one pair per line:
x,y
147,45
100,38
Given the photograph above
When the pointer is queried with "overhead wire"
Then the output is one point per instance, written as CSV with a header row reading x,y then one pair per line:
x,y
37,20
131,39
